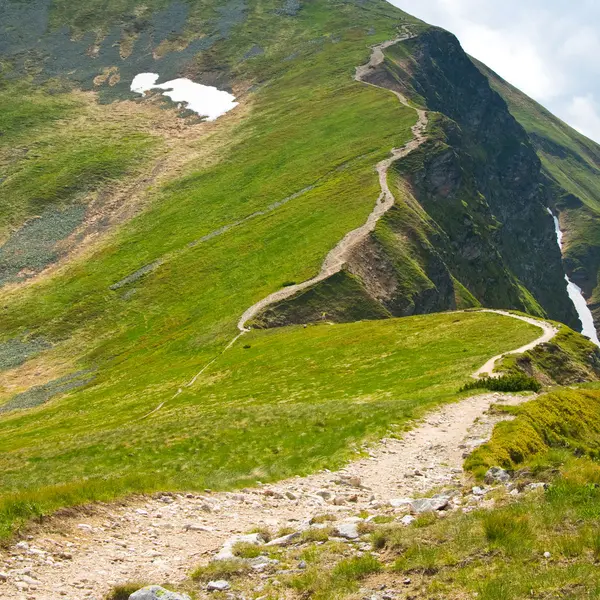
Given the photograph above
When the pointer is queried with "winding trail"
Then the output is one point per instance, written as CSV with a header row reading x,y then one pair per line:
x,y
339,255
160,538
549,332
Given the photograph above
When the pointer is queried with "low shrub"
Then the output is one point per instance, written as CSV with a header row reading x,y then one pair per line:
x,y
514,382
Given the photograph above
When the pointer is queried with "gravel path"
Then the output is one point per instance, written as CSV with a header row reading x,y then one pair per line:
x,y
161,538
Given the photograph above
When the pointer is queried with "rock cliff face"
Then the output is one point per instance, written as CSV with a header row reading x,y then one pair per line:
x,y
571,168
469,226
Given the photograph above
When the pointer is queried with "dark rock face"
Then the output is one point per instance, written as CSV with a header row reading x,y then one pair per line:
x,y
481,181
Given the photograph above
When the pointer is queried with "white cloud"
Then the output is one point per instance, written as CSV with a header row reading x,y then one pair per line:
x,y
583,114
543,47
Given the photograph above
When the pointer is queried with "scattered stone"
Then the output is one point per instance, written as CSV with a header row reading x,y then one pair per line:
x,y
350,480
261,563
302,564
155,592
3,576
226,552
537,486
291,496
218,586
477,491
547,555
514,492
348,531
284,540
325,494
407,520
196,527
497,475
423,505
400,502
84,527
406,581
273,494
339,501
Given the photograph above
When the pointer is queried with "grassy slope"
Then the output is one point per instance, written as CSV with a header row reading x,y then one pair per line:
x,y
282,402
572,161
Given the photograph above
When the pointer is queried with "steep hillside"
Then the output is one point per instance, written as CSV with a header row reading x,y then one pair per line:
x,y
135,234
470,225
571,162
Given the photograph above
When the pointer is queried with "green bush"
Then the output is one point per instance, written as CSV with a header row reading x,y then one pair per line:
x,y
505,383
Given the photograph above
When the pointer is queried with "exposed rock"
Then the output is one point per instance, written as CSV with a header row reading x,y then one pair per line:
x,y
477,491
350,480
400,502
497,475
423,505
348,531
537,486
407,520
284,540
218,586
155,592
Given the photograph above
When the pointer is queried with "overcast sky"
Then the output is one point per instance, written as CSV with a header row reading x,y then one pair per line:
x,y
550,49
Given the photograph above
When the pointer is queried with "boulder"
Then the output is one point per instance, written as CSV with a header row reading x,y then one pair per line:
x,y
284,540
218,586
155,592
423,505
348,531
497,475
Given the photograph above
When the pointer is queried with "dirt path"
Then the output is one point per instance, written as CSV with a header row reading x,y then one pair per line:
x,y
80,557
549,332
339,255
158,539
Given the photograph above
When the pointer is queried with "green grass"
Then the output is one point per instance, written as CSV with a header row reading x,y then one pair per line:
x,y
566,418
338,582
504,383
220,569
568,358
329,388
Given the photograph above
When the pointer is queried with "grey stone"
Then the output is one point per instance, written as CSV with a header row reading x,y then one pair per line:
x,y
400,502
423,505
477,491
497,475
284,540
537,486
407,520
348,531
155,592
218,586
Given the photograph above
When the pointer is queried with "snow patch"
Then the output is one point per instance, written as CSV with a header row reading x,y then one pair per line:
x,y
205,100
